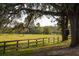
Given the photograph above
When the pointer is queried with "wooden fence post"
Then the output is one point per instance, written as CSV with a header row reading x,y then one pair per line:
x,y
43,41
36,42
53,40
48,40
28,43
17,45
4,47
57,39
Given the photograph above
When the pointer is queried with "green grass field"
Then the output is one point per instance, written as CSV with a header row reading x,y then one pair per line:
x,y
27,51
8,37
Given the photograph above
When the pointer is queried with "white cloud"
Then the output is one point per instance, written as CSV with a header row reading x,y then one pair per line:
x,y
44,21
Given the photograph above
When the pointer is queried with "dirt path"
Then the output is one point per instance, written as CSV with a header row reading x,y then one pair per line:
x,y
57,51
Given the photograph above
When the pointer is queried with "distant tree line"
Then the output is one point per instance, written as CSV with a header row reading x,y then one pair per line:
x,y
43,30
20,29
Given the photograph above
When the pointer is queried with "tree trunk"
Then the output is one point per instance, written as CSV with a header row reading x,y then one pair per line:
x,y
64,26
74,21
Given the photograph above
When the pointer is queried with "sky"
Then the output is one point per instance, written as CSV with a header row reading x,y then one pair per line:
x,y
44,21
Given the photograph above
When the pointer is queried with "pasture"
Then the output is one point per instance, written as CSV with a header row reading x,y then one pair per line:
x,y
8,37
24,44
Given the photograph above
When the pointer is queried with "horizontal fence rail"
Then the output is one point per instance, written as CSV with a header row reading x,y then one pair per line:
x,y
28,43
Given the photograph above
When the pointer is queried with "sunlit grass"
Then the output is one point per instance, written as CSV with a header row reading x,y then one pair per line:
x,y
27,51
8,37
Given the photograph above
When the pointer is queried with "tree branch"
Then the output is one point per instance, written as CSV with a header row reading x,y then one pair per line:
x,y
43,12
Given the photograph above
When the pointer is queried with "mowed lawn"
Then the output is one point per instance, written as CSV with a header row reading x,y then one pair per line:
x,y
8,37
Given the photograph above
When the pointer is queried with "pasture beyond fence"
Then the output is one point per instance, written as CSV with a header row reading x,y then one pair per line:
x,y
27,43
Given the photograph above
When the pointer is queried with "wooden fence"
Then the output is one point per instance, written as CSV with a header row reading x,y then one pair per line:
x,y
43,41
